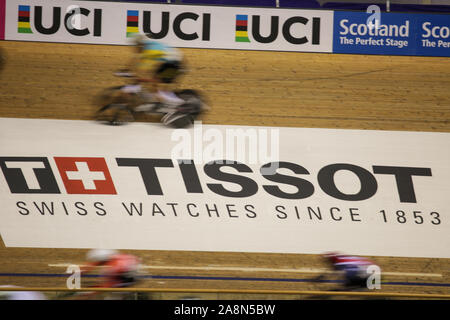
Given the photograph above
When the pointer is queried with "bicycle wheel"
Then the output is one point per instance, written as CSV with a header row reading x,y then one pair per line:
x,y
178,120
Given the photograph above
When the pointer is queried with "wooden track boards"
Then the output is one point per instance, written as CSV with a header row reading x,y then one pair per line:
x,y
43,80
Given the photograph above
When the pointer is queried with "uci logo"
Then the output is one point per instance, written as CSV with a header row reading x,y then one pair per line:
x,y
202,24
292,29
72,19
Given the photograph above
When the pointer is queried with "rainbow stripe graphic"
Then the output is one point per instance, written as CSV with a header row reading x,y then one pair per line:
x,y
132,22
242,28
24,20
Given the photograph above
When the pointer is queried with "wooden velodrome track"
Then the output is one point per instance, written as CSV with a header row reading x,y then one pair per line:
x,y
43,80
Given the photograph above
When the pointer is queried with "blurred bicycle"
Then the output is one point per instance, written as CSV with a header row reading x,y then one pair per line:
x,y
123,104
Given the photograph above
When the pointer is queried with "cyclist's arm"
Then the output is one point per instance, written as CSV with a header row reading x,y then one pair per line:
x,y
143,71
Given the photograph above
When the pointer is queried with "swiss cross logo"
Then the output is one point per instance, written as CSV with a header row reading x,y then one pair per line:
x,y
85,175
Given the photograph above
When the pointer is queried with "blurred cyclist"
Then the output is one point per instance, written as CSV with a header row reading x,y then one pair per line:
x,y
21,295
354,269
156,66
119,270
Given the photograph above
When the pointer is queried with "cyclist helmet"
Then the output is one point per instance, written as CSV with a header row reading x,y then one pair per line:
x,y
100,255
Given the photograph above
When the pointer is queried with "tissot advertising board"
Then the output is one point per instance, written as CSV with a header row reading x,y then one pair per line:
x,y
78,184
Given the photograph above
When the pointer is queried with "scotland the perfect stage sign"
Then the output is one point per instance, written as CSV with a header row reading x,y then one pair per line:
x,y
433,38
392,34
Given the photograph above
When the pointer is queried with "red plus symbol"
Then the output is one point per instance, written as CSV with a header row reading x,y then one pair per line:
x,y
85,175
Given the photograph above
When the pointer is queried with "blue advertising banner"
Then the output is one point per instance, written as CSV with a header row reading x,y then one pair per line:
x,y
433,38
391,34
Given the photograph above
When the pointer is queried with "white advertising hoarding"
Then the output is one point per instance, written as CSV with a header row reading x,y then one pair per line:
x,y
178,25
79,184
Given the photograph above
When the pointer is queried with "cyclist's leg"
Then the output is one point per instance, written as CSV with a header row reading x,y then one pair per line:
x,y
167,73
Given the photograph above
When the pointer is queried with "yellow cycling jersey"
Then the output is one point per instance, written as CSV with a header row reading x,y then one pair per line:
x,y
155,53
